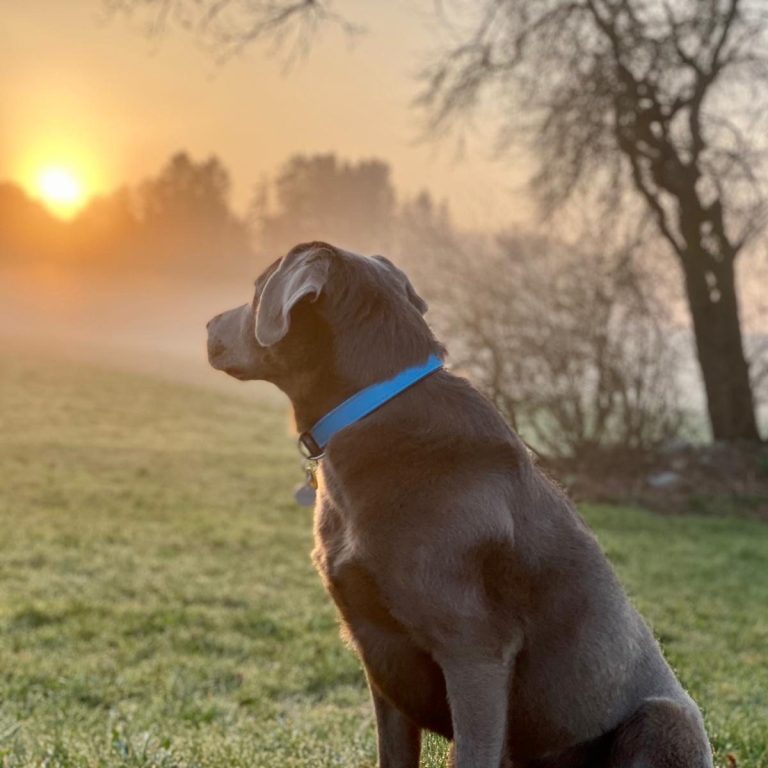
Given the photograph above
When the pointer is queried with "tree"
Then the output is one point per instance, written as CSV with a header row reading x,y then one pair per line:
x,y
28,232
106,232
651,92
185,217
186,191
321,197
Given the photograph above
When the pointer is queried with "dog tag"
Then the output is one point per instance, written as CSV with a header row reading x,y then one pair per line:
x,y
304,495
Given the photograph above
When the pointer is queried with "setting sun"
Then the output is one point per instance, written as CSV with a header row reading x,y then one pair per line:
x,y
61,190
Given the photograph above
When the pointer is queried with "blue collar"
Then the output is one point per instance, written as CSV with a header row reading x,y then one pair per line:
x,y
312,443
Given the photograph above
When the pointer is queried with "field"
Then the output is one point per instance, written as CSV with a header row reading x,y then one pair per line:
x,y
158,606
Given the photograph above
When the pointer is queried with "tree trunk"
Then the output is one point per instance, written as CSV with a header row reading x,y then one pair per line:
x,y
714,308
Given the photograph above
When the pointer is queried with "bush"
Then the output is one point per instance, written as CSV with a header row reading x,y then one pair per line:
x,y
575,347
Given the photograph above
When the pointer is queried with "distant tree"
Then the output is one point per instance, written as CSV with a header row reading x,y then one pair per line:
x,y
422,217
185,216
28,232
106,231
322,197
185,191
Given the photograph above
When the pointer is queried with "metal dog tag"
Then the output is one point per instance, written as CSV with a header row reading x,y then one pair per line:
x,y
304,495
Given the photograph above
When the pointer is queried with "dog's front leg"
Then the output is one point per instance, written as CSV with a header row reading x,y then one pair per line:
x,y
398,738
478,697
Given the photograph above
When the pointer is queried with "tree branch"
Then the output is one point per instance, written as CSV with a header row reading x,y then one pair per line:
x,y
232,25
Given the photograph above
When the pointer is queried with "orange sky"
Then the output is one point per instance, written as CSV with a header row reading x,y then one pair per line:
x,y
96,95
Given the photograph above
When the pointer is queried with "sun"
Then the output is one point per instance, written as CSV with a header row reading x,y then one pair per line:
x,y
61,190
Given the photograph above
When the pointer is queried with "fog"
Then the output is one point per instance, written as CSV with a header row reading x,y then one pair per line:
x,y
147,323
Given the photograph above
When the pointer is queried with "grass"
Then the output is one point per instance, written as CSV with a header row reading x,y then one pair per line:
x,y
158,606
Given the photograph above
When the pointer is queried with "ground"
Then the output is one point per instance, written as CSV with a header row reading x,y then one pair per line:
x,y
158,606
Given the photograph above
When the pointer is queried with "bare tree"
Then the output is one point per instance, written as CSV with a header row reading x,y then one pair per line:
x,y
229,26
572,342
666,95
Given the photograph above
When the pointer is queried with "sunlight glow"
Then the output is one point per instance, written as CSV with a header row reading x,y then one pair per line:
x,y
61,190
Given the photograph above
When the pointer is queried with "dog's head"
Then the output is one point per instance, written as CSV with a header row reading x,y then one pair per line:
x,y
323,316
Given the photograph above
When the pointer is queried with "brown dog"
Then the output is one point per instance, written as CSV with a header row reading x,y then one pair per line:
x,y
480,603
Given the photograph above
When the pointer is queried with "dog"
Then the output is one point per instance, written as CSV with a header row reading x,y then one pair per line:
x,y
479,602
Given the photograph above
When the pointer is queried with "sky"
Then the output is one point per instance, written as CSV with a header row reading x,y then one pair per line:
x,y
93,94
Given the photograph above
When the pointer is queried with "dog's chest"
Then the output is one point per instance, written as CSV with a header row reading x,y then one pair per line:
x,y
344,564
394,662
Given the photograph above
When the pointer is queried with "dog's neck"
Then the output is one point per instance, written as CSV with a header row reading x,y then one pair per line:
x,y
317,398
309,408
375,352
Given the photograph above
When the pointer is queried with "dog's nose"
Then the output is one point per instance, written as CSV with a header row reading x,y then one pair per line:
x,y
215,348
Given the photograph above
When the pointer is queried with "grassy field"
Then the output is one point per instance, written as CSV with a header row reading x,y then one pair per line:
x,y
158,606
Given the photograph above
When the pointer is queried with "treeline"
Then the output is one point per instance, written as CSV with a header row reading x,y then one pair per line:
x,y
181,219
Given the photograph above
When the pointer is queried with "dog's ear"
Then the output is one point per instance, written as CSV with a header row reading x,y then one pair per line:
x,y
410,291
300,274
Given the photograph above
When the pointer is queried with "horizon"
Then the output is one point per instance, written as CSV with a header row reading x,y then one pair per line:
x,y
96,106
